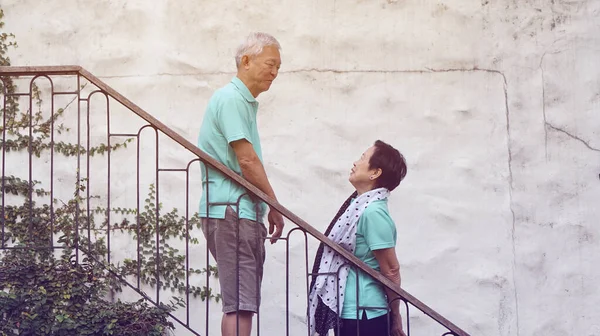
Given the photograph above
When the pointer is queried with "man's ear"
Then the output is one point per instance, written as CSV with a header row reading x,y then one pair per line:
x,y
245,61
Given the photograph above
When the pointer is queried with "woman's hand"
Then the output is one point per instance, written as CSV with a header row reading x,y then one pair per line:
x,y
396,329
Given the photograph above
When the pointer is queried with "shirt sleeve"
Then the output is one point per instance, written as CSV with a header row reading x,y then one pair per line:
x,y
378,228
233,119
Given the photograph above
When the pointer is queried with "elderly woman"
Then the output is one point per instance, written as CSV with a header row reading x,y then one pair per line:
x,y
364,227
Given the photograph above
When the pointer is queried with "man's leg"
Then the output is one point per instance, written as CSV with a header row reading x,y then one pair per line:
x,y
251,256
229,324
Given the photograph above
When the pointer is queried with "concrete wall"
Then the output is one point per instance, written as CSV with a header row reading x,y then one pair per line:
x,y
495,105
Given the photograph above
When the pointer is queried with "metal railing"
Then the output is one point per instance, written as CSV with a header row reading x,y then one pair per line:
x,y
117,103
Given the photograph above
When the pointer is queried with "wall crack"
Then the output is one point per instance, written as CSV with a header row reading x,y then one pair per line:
x,y
572,136
548,125
319,70
544,106
510,195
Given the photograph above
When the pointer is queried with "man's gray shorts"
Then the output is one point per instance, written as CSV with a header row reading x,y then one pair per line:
x,y
221,238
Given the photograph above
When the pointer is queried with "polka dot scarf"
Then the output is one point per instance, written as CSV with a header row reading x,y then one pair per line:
x,y
323,298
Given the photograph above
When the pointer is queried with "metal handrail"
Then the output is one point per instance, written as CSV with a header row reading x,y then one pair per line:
x,y
78,70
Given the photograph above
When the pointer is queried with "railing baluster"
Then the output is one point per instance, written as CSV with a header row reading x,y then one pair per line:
x,y
108,189
88,100
407,318
258,279
206,173
287,284
78,178
30,162
237,265
4,96
306,270
187,243
137,210
358,317
88,169
138,196
157,203
52,164
109,152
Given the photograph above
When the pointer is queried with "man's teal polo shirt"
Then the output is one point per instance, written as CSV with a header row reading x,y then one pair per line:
x,y
230,116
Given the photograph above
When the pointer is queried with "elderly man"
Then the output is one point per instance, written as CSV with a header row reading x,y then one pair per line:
x,y
229,134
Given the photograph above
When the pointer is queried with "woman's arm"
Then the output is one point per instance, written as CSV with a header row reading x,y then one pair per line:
x,y
390,268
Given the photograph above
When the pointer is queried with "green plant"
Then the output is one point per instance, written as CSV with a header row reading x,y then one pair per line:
x,y
44,291
172,263
6,41
61,298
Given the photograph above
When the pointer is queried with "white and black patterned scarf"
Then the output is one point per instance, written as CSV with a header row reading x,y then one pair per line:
x,y
323,309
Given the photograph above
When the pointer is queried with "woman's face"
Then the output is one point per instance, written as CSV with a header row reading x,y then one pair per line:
x,y
360,174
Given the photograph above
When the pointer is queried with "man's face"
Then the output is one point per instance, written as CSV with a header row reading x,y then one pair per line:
x,y
264,67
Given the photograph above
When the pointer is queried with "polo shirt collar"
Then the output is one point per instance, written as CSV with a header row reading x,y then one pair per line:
x,y
243,89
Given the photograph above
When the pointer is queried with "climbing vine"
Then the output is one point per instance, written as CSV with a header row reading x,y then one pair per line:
x,y
45,291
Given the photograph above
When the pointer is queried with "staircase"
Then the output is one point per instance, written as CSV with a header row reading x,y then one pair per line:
x,y
89,107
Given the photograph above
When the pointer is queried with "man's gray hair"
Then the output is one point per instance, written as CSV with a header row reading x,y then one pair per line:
x,y
253,45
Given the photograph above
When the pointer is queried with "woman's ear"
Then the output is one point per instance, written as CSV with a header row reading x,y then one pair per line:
x,y
376,174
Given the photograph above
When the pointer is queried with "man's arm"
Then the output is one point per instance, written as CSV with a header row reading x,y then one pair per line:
x,y
254,171
390,268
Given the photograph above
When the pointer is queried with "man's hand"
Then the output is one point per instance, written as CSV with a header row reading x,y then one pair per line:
x,y
397,326
275,225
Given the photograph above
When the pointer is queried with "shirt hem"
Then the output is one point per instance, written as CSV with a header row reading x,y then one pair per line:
x,y
373,314
382,246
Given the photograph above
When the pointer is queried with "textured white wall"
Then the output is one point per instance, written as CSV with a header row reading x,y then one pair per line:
x,y
495,105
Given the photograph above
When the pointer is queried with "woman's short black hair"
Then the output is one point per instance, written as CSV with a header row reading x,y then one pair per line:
x,y
392,165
